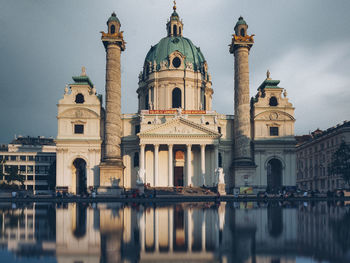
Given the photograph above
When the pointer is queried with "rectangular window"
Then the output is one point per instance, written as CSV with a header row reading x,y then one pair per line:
x,y
30,169
29,187
23,157
30,158
78,129
30,177
22,168
13,157
273,131
219,130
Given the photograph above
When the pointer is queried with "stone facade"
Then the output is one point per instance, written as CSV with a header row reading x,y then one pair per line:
x,y
314,155
176,138
273,130
79,137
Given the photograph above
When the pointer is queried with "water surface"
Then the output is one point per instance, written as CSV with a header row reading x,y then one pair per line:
x,y
185,232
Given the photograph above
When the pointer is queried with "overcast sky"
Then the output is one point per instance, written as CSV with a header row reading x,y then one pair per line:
x,y
43,43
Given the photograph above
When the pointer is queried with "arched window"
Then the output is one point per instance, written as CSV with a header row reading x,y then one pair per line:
x,y
176,62
242,32
79,98
176,94
175,30
273,101
136,159
112,29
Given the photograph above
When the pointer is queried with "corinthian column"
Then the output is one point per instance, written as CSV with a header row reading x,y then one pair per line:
x,y
241,44
113,103
111,168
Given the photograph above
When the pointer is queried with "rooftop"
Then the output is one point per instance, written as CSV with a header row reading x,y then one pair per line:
x,y
40,140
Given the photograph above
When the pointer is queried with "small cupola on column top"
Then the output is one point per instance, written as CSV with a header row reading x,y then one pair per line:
x,y
174,25
240,37
113,35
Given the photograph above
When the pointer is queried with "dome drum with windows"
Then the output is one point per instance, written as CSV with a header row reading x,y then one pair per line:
x,y
175,62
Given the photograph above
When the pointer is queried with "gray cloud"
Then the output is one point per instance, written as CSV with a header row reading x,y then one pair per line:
x,y
43,43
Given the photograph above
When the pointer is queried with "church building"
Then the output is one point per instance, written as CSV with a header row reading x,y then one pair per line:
x,y
176,138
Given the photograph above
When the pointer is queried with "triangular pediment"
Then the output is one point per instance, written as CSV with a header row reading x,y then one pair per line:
x,y
182,127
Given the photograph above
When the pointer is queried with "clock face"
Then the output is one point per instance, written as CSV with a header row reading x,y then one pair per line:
x,y
273,116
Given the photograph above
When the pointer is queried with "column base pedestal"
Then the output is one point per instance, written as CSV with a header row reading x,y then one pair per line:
x,y
245,175
111,178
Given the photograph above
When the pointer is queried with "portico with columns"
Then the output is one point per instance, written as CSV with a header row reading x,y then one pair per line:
x,y
179,153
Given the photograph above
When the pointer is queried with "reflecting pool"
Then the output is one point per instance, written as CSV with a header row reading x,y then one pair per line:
x,y
184,232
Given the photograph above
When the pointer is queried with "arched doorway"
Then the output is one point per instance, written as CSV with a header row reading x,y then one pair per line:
x,y
79,168
274,174
179,168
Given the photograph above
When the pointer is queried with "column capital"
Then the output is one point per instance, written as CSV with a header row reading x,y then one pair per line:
x,y
156,145
170,145
142,145
189,145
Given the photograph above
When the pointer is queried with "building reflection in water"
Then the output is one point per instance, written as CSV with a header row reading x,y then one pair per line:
x,y
232,232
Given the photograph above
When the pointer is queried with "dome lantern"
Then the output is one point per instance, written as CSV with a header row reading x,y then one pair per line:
x,y
174,25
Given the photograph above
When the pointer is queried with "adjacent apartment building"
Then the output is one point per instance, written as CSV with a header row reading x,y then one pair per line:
x,y
33,157
314,154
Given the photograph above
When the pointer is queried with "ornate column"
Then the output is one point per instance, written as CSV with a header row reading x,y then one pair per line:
x,y
111,169
243,162
156,164
188,165
216,162
241,44
142,157
171,166
203,163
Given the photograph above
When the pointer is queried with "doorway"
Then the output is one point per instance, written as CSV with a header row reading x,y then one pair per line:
x,y
274,174
178,176
80,175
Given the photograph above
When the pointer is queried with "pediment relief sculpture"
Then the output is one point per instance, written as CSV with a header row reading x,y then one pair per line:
x,y
274,115
80,113
180,126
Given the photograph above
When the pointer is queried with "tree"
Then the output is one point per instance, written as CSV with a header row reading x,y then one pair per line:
x,y
13,175
340,164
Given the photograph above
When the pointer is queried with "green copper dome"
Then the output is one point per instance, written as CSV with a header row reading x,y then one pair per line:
x,y
174,16
168,45
113,17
